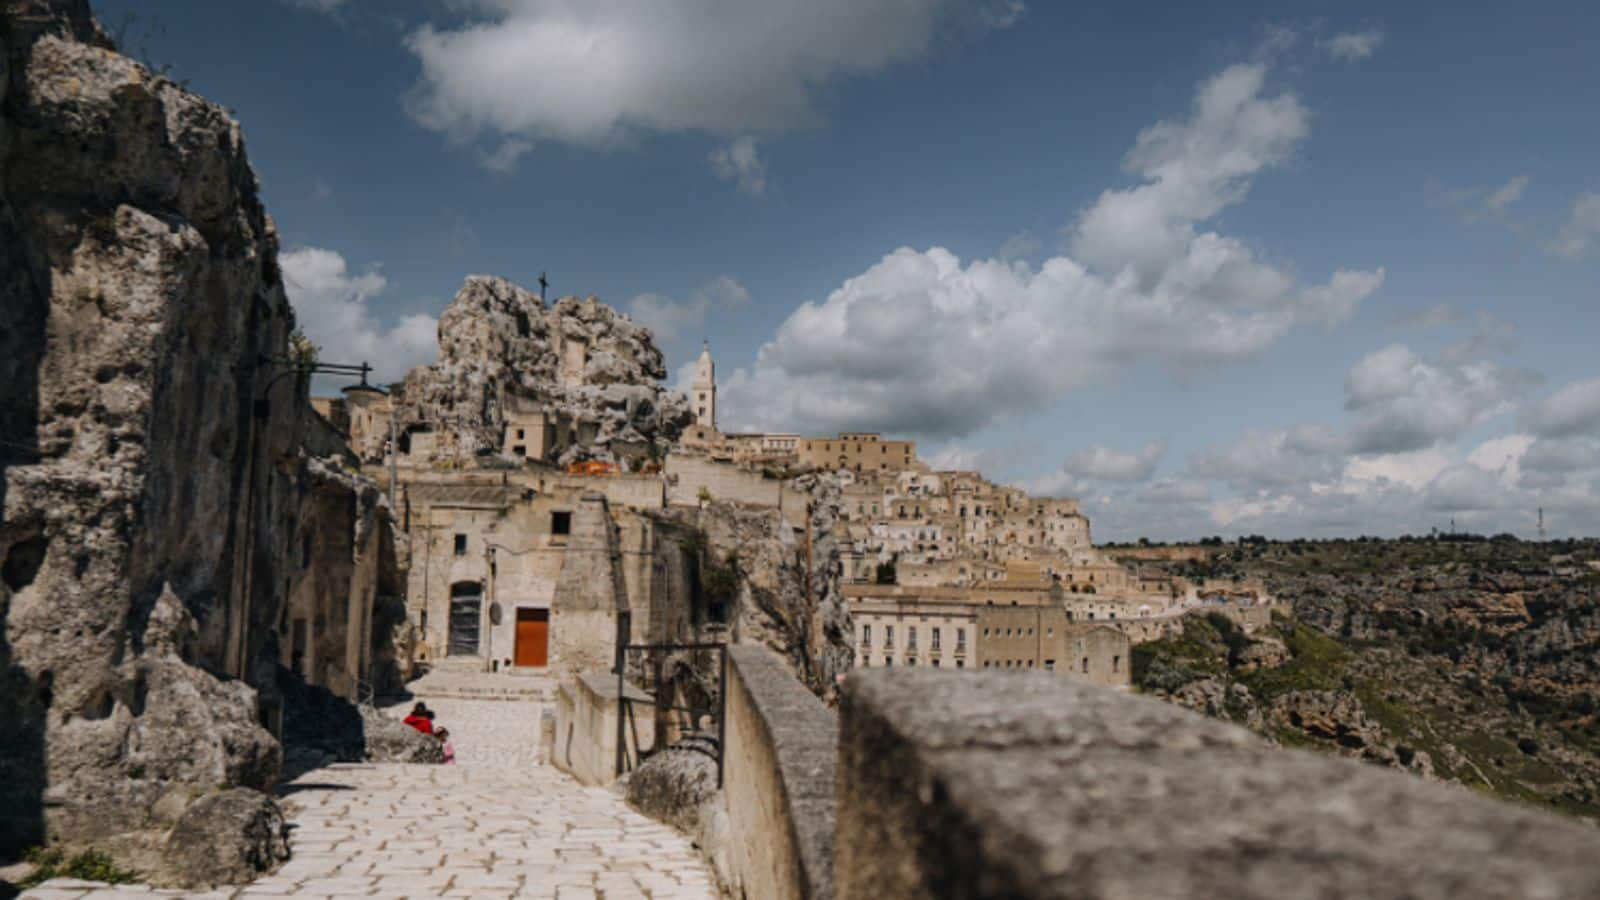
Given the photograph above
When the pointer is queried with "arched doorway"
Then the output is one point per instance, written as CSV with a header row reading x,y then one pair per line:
x,y
466,606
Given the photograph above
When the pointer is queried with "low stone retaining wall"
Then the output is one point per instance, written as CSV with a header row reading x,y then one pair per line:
x,y
1030,785
782,744
587,709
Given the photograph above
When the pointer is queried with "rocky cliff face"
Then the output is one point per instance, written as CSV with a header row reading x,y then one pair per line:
x,y
501,350
777,582
1470,661
151,456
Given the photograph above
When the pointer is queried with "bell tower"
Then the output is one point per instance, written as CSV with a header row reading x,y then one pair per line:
x,y
704,390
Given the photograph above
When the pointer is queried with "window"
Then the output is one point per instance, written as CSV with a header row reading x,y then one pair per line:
x,y
961,640
936,662
1116,663
911,639
961,664
888,635
1049,665
561,523
461,545
888,660
936,639
1086,665
521,434
866,635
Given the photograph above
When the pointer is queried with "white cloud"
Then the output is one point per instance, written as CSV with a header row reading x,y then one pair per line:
x,y
1191,171
1057,484
1501,198
596,72
1413,469
321,6
1439,315
1353,45
331,307
1477,205
738,161
1403,402
1492,337
924,343
1574,409
1274,458
668,318
1581,234
504,158
1107,464
953,457
1021,245
1549,459
1175,491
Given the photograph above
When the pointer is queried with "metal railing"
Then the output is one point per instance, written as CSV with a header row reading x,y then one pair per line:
x,y
656,675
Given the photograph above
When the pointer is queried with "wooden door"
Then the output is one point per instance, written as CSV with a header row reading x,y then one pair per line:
x,y
533,637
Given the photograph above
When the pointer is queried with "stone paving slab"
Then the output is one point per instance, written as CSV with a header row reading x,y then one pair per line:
x,y
495,824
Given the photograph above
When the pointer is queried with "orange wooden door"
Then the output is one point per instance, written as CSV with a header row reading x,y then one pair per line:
x,y
533,637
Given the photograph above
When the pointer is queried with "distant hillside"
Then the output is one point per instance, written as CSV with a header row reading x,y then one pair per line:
x,y
1467,659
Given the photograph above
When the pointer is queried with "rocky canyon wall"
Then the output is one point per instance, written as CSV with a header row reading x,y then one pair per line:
x,y
153,454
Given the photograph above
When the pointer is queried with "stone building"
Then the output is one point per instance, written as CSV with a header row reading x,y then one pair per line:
x,y
991,627
514,578
857,452
703,393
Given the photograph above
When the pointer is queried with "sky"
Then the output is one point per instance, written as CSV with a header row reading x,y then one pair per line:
x,y
1284,268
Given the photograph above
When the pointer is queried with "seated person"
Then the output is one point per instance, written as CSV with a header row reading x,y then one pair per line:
x,y
421,718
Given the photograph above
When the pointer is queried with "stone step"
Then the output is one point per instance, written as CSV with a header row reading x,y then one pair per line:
x,y
483,685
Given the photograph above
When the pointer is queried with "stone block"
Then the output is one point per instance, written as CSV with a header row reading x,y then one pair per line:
x,y
1033,786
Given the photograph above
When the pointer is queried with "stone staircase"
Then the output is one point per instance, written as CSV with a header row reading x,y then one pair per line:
x,y
463,678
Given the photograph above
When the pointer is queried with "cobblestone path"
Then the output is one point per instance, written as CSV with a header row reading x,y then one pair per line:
x,y
493,825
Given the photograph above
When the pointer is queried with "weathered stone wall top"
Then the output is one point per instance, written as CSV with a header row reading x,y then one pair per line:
x,y
604,686
1029,785
800,735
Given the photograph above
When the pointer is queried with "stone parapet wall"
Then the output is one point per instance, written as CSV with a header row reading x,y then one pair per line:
x,y
1032,786
687,475
635,491
779,782
587,709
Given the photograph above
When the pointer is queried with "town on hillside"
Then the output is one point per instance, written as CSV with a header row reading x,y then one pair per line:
x,y
944,569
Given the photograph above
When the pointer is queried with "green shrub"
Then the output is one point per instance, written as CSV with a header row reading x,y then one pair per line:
x,y
89,865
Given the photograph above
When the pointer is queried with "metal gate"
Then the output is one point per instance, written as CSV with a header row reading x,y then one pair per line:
x,y
655,669
465,609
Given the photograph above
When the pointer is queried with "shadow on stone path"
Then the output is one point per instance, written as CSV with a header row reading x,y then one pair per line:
x,y
495,824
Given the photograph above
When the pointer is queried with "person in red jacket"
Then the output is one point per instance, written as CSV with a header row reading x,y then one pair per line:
x,y
421,718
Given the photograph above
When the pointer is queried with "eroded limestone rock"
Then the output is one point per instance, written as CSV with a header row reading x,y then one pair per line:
x,y
788,576
501,349
229,837
154,449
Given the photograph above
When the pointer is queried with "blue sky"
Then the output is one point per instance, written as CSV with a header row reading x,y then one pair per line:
x,y
1288,268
